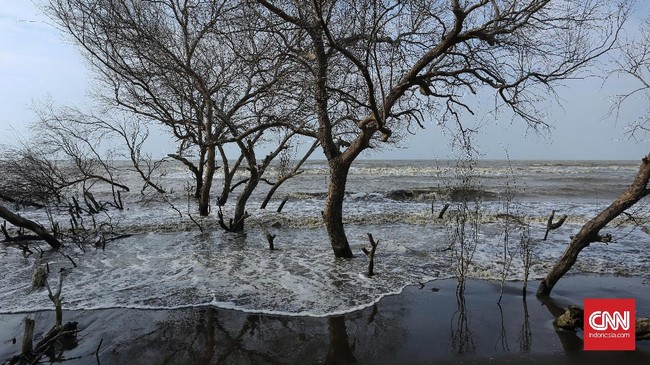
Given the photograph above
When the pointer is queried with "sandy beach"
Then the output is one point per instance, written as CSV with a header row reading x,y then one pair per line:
x,y
422,325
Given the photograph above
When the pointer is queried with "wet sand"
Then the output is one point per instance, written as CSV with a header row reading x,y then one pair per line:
x,y
426,325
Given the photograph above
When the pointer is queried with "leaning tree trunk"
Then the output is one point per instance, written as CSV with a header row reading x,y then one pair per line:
x,y
333,213
590,232
19,221
211,166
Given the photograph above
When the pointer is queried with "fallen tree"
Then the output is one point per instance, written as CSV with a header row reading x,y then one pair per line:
x,y
590,232
38,229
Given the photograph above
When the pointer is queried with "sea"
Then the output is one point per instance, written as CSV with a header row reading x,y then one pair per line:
x,y
169,262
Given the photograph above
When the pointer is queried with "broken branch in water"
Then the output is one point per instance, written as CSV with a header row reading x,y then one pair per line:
x,y
550,226
56,298
28,337
442,212
590,232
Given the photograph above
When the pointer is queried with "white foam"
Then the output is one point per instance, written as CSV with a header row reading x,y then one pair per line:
x,y
168,264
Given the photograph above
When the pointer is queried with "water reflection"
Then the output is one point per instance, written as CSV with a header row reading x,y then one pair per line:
x,y
339,350
451,323
526,333
462,341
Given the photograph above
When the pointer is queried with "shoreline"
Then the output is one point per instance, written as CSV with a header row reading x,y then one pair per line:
x,y
418,326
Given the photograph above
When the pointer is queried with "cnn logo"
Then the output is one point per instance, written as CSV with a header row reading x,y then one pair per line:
x,y
609,324
603,321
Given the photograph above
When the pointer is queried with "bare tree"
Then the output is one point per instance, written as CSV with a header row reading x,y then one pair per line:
x,y
62,159
125,135
363,63
197,67
634,62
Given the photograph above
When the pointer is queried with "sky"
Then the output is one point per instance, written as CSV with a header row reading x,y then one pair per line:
x,y
38,63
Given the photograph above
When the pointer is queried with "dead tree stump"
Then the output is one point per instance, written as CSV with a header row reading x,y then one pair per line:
x,y
371,254
550,226
28,337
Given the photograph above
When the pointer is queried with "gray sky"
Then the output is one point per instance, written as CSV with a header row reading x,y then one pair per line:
x,y
37,64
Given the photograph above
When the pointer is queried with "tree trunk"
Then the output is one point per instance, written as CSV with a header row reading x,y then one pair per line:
x,y
240,208
198,175
208,175
227,177
590,231
333,213
19,221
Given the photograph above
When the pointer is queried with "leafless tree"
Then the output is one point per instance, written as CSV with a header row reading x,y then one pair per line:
x,y
363,63
634,62
197,67
125,135
63,164
60,160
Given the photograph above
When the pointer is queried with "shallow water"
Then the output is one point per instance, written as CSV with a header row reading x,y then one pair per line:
x,y
168,263
425,324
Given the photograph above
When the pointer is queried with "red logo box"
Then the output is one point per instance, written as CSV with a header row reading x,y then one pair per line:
x,y
609,324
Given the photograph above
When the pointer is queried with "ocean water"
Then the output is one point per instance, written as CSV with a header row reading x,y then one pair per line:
x,y
169,263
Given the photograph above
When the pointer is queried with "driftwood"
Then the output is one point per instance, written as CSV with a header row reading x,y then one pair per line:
x,y
19,221
550,226
59,333
572,319
371,254
590,232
